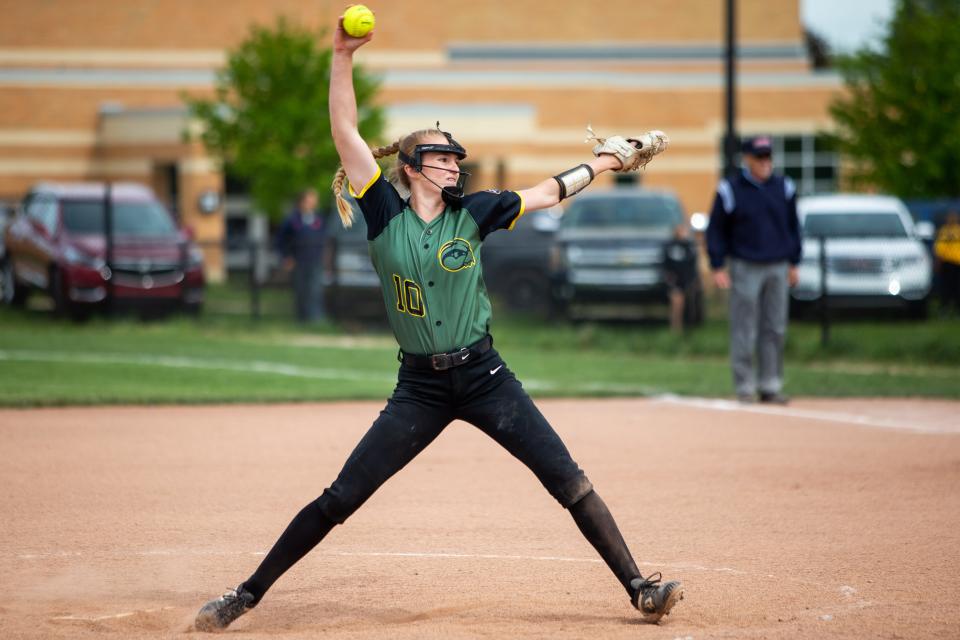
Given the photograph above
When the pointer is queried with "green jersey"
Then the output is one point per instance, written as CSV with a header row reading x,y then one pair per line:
x,y
430,273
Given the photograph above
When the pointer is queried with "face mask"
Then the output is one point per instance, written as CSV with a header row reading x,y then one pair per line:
x,y
451,196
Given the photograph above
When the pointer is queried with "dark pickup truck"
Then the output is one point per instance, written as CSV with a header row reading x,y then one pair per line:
x,y
608,258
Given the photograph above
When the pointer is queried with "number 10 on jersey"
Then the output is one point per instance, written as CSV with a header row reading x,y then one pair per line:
x,y
409,296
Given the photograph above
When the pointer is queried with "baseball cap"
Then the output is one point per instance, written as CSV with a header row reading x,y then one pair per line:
x,y
757,146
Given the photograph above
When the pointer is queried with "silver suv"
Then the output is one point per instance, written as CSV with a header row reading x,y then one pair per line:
x,y
874,256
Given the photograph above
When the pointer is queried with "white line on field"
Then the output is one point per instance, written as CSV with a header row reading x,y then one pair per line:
x,y
125,614
494,556
482,556
183,362
382,554
807,414
242,366
397,554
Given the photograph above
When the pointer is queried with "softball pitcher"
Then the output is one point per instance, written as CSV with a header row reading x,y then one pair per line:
x,y
426,250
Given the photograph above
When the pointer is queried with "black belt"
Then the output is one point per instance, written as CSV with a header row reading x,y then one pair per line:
x,y
444,361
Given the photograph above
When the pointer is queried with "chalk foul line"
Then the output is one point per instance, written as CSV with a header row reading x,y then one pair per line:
x,y
714,404
368,554
113,616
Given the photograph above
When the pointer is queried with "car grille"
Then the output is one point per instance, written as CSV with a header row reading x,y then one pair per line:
x,y
858,265
617,257
147,275
615,277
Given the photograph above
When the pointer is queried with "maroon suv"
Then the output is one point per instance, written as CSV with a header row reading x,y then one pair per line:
x,y
58,242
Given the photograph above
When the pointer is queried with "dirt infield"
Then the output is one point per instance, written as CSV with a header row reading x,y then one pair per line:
x,y
825,519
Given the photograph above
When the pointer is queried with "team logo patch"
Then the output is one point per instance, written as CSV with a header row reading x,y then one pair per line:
x,y
456,255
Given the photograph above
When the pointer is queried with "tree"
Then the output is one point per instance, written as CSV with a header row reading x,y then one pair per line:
x,y
269,120
900,119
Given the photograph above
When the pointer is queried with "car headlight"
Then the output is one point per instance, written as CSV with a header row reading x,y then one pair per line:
x,y
77,257
910,261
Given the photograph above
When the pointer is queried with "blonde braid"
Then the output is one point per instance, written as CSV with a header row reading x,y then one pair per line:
x,y
343,207
389,150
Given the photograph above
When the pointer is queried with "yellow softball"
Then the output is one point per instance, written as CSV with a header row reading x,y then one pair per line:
x,y
358,20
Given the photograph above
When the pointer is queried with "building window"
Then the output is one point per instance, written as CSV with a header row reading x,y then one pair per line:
x,y
810,160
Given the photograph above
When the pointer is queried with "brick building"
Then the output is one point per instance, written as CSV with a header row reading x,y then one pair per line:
x,y
92,90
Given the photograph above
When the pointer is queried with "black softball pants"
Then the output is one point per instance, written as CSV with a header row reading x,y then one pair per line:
x,y
484,393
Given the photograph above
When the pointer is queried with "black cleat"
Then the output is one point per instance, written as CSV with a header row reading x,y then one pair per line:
x,y
655,599
774,397
219,613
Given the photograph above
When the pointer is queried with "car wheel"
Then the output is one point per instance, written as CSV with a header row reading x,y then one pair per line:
x,y
12,293
61,306
918,310
527,291
799,309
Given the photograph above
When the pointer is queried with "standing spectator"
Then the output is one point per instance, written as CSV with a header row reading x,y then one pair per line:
x,y
755,233
680,272
300,243
946,249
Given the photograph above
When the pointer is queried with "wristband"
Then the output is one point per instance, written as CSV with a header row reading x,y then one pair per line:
x,y
574,180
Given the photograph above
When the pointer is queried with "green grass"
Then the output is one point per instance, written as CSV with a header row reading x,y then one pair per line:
x,y
225,356
894,341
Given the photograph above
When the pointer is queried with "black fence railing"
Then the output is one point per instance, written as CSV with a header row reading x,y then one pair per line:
x,y
824,292
337,281
837,280
260,284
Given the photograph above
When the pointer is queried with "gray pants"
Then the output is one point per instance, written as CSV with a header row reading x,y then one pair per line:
x,y
308,290
758,325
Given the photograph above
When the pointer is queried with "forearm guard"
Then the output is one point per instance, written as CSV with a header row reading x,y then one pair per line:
x,y
574,180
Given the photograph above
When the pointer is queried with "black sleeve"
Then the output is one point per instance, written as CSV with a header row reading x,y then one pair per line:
x,y
493,209
379,202
717,232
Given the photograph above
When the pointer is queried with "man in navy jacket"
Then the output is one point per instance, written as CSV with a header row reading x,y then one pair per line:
x,y
754,246
300,242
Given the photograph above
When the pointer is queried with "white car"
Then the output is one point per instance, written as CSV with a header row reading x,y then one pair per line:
x,y
874,257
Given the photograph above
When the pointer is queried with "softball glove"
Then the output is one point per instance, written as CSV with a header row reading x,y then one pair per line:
x,y
633,153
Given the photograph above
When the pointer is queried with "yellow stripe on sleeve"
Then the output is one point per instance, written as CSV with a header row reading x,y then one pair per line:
x,y
366,187
523,209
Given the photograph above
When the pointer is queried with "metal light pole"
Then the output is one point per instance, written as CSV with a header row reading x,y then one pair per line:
x,y
824,308
730,136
